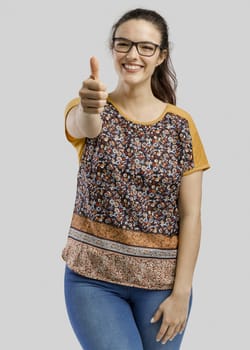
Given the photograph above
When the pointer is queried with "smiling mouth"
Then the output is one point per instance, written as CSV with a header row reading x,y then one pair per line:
x,y
132,67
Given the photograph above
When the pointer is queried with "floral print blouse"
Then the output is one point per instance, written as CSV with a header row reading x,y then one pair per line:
x,y
125,222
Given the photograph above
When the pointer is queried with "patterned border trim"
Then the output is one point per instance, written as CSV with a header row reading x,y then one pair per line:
x,y
128,237
105,265
122,248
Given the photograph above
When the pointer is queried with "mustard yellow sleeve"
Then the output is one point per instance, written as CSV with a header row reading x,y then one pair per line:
x,y
199,158
77,143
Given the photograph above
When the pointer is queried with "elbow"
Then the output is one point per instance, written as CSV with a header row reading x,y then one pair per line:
x,y
191,211
194,217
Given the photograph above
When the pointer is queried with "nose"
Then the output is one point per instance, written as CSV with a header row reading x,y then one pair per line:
x,y
132,52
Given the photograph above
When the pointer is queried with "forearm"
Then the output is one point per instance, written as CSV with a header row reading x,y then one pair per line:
x,y
188,249
80,124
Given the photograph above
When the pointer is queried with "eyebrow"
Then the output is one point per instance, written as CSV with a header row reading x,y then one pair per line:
x,y
136,42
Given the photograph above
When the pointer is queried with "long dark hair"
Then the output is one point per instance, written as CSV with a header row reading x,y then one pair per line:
x,y
163,82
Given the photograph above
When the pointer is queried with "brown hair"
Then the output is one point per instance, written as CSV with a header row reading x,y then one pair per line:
x,y
163,82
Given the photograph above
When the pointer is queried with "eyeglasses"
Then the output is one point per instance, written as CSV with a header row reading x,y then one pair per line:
x,y
144,48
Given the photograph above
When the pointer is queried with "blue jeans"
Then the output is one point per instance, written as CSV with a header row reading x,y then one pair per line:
x,y
108,316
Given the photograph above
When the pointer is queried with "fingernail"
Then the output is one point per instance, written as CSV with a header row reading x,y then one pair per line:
x,y
157,339
152,320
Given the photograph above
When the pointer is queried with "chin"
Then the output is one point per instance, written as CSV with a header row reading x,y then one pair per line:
x,y
134,80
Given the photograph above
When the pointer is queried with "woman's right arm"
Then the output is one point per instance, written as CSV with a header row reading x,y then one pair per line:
x,y
84,120
80,124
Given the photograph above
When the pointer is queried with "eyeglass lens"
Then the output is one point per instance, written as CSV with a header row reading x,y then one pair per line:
x,y
143,48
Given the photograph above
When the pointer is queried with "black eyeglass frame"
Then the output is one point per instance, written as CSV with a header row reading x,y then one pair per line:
x,y
136,43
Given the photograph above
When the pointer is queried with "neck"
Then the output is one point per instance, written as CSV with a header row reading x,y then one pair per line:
x,y
138,102
129,95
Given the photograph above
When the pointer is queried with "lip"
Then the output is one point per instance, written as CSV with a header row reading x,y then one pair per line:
x,y
132,67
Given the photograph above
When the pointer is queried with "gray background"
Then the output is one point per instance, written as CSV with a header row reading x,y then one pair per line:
x,y
45,50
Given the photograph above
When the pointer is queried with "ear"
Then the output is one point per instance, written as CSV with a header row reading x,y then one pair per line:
x,y
162,56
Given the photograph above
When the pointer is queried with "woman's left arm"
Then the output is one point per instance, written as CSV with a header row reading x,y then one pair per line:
x,y
174,309
190,232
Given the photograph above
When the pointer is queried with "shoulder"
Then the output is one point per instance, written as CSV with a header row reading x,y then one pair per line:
x,y
190,136
176,110
186,120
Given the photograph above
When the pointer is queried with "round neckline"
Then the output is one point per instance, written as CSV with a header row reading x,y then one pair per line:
x,y
135,121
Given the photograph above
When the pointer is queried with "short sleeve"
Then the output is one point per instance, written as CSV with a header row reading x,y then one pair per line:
x,y
77,143
195,157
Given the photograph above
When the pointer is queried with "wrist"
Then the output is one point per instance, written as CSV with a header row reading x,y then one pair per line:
x,y
182,292
81,114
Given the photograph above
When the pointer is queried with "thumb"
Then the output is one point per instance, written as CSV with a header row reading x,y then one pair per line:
x,y
156,316
94,67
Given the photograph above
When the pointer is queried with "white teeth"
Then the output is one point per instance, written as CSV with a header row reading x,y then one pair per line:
x,y
132,67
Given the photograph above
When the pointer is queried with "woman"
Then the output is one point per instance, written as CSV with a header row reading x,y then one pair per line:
x,y
138,198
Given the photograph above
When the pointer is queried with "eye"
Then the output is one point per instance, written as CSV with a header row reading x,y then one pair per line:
x,y
122,44
147,47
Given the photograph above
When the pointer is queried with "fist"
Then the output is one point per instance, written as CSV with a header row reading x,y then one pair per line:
x,y
93,93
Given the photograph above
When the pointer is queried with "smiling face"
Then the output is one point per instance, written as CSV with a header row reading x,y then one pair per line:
x,y
132,67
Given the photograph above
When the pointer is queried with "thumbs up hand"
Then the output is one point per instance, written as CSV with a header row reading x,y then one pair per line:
x,y
93,93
